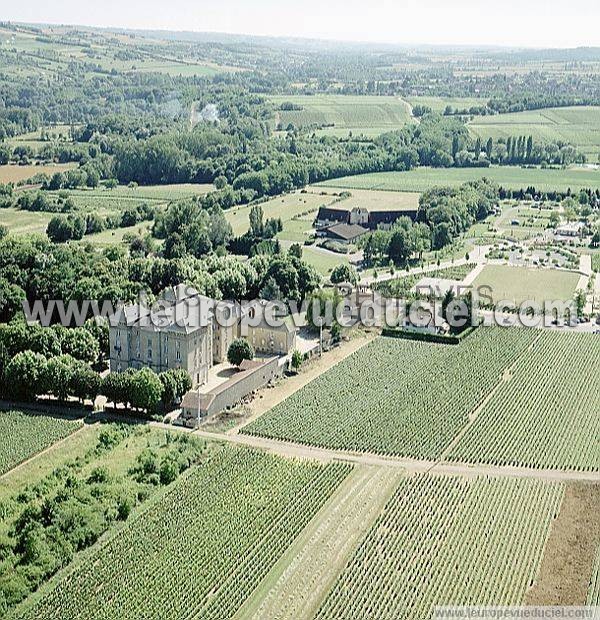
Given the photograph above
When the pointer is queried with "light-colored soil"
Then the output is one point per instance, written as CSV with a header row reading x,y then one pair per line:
x,y
571,549
297,584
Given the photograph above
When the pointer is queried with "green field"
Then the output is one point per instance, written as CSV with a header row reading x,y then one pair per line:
x,y
24,434
202,549
21,222
422,179
438,104
579,126
286,207
545,414
519,284
340,114
375,200
396,397
322,260
447,541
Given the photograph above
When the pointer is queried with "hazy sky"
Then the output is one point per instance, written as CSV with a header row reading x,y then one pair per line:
x,y
531,23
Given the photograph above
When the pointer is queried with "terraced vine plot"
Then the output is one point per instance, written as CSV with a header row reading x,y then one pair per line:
x,y
202,549
546,414
447,541
396,397
24,434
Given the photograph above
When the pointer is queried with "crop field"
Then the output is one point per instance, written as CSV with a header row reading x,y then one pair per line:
x,y
340,114
124,196
373,199
512,177
518,284
579,126
24,434
438,104
447,541
202,549
381,398
11,173
545,414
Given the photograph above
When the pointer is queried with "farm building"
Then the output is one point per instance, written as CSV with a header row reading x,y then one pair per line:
x,y
251,376
572,229
345,233
369,219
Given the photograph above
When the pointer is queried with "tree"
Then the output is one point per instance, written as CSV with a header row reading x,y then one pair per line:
x,y
79,342
85,383
580,301
401,246
239,350
58,376
256,220
116,387
176,383
3,231
344,273
297,360
24,374
11,299
146,390
295,250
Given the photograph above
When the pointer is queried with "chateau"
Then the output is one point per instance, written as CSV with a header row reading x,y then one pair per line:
x,y
184,333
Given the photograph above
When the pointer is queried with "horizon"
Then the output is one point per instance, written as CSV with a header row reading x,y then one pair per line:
x,y
547,25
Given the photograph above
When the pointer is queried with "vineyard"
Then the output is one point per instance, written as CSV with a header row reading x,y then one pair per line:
x,y
202,549
340,114
593,597
447,541
24,434
546,414
396,397
421,179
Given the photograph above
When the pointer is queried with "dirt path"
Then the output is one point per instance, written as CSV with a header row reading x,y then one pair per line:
x,y
297,584
414,466
268,398
571,549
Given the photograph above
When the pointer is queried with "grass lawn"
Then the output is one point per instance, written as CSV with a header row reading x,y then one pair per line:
x,y
23,222
115,235
579,126
422,179
518,284
375,200
285,207
322,260
341,114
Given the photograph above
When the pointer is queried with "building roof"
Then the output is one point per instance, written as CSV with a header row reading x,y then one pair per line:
x,y
333,215
347,232
389,217
260,306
